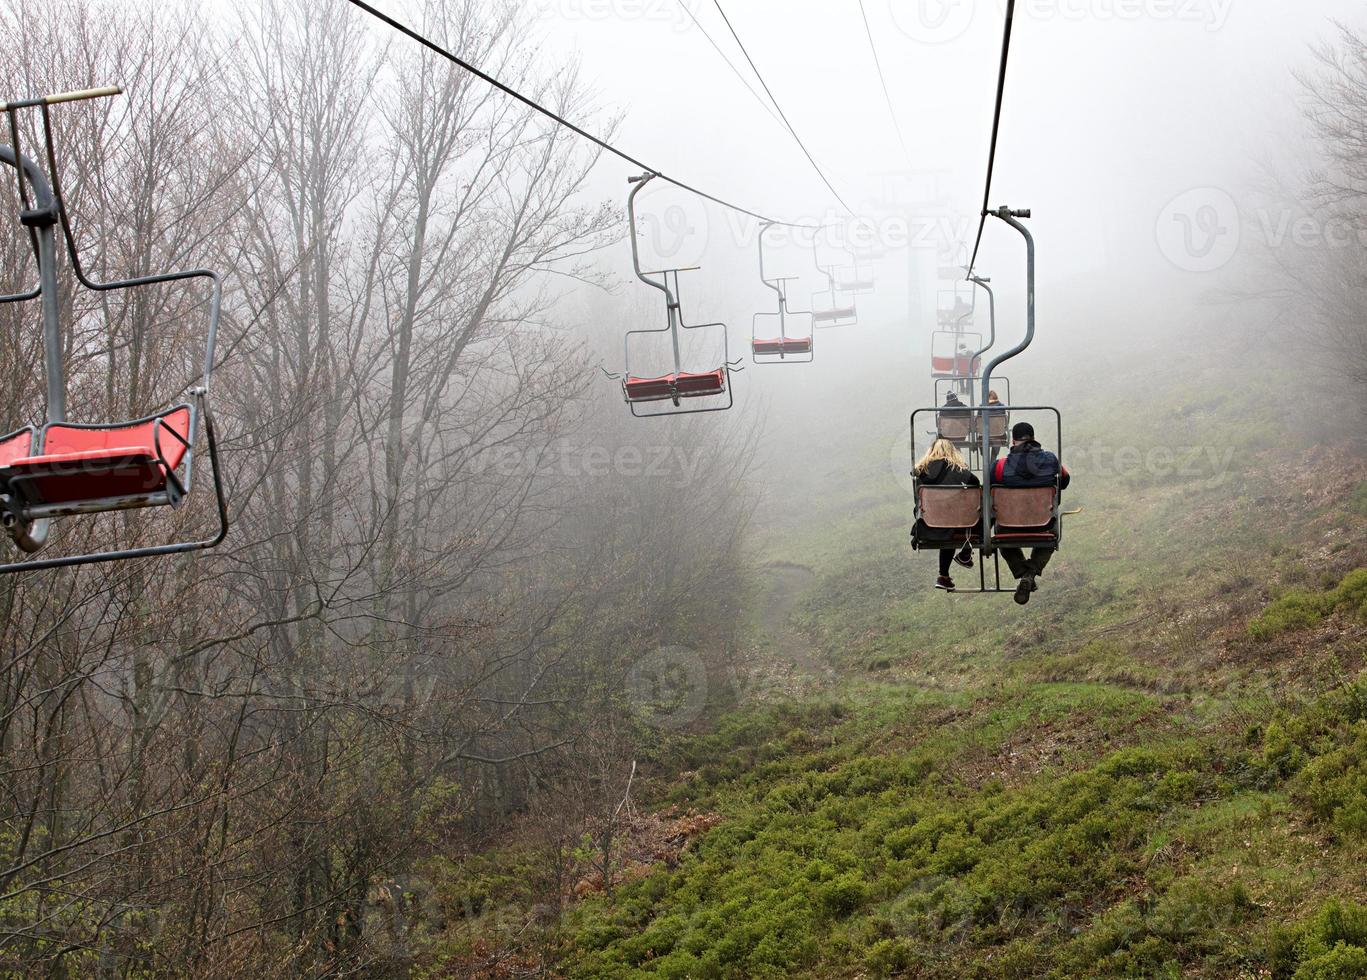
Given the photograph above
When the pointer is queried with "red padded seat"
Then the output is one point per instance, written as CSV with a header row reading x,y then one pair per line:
x,y
80,464
685,384
943,365
14,446
783,345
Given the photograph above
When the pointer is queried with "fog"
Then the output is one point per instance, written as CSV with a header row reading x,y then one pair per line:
x,y
1121,122
465,596
1141,135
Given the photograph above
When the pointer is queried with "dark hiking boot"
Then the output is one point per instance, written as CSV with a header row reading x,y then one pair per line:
x,y
1024,588
945,582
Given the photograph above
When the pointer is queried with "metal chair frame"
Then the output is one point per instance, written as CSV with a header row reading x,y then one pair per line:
x,y
25,517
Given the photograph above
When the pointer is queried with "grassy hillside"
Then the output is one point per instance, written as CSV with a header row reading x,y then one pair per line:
x,y
1158,768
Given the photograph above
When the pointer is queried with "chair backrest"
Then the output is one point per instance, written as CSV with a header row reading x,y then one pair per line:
x,y
16,445
953,425
1023,506
59,438
996,425
950,507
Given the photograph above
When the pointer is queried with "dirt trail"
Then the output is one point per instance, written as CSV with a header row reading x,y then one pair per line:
x,y
790,660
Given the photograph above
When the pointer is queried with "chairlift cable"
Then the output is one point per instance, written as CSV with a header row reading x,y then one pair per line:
x,y
996,126
810,159
561,120
887,96
729,63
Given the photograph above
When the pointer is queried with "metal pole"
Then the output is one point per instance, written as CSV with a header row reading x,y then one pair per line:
x,y
671,304
42,219
52,328
777,286
982,283
1010,217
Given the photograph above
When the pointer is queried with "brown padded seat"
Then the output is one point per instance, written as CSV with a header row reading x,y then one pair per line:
x,y
953,426
1024,514
955,508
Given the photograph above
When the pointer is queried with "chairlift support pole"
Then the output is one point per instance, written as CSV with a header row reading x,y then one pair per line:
x,y
671,302
778,286
827,271
982,283
1011,217
40,221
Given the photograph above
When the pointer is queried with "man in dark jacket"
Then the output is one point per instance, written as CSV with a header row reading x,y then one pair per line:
x,y
953,404
1028,465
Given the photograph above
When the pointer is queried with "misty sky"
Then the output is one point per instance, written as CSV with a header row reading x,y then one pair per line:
x,y
1133,128
1113,106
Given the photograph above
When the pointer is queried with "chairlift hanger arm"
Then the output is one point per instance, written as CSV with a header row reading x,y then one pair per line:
x,y
636,184
57,99
981,282
1012,218
771,283
50,197
666,272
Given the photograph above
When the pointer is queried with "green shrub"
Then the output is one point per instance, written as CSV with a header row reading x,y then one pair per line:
x,y
1297,609
888,957
1331,946
1340,963
1358,502
1351,595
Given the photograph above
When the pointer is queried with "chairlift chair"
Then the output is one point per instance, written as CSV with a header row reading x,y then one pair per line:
x,y
872,252
949,517
705,390
832,306
64,469
856,278
789,345
954,425
952,354
958,269
954,306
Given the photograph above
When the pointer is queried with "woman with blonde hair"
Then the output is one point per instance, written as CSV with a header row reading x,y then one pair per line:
x,y
942,466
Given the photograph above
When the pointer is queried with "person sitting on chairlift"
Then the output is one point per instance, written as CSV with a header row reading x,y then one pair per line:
x,y
942,466
1028,465
952,403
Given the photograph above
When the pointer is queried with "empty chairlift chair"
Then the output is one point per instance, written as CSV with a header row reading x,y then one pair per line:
x,y
856,278
62,468
676,390
831,307
779,337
